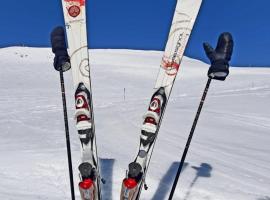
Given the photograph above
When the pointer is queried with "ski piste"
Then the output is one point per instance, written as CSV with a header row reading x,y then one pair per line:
x,y
76,30
185,14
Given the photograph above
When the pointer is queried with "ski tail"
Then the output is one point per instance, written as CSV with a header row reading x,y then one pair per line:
x,y
183,21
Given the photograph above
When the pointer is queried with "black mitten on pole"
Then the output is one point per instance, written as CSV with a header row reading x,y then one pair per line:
x,y
220,56
59,48
61,64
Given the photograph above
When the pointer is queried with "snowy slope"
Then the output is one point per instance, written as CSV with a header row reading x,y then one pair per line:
x,y
228,158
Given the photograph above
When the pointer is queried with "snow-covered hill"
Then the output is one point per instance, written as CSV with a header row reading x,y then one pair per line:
x,y
229,158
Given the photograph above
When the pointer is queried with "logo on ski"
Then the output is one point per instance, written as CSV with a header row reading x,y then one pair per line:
x,y
74,11
74,7
171,67
180,31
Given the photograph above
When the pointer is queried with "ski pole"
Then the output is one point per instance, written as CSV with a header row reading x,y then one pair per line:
x,y
219,70
67,134
189,139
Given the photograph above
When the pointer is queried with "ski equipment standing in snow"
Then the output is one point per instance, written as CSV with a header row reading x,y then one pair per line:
x,y
75,21
184,18
62,63
218,70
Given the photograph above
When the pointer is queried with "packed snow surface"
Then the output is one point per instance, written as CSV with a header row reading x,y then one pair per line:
x,y
229,157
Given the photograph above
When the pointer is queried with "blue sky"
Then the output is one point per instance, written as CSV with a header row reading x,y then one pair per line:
x,y
144,24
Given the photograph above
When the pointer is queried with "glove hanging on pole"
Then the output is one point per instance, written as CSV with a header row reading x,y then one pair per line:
x,y
220,56
61,64
219,70
59,48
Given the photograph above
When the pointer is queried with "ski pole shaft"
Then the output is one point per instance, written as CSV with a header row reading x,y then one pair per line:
x,y
67,134
189,139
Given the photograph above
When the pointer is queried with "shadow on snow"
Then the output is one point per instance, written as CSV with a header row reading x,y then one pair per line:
x,y
106,168
165,182
203,171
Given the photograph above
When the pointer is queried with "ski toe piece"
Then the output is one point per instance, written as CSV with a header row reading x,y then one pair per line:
x,y
87,185
130,185
87,189
86,170
129,189
135,171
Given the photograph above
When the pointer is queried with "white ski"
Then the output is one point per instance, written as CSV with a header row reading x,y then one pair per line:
x,y
184,18
75,22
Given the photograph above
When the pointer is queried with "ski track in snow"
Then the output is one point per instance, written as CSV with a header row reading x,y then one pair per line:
x,y
228,157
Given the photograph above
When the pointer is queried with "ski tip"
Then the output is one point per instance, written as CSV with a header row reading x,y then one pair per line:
x,y
130,183
86,184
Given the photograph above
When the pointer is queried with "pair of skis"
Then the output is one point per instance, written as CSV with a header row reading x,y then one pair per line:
x,y
75,20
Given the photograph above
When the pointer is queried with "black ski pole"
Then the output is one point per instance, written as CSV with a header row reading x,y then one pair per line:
x,y
62,63
189,139
67,134
219,70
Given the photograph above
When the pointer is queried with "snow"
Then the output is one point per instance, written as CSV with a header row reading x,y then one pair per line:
x,y
228,157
